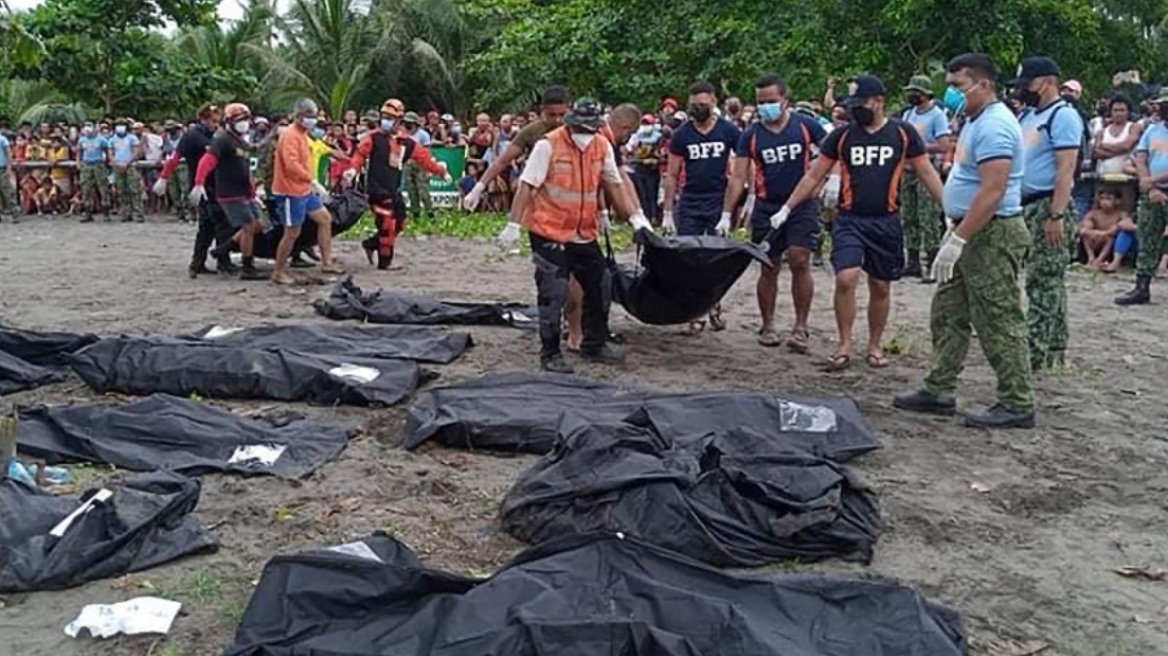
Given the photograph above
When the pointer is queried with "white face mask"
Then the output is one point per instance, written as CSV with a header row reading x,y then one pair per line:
x,y
241,127
583,139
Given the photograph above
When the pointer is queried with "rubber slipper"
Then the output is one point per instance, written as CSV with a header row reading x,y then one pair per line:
x,y
839,363
717,323
694,328
877,360
799,342
769,338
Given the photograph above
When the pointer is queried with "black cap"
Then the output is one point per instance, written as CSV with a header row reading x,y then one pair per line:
x,y
1033,67
866,86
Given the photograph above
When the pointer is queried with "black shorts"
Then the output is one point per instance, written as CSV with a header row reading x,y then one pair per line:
x,y
698,215
801,229
874,243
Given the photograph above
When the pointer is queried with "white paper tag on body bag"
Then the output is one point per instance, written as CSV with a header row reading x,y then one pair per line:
x,y
219,331
265,454
133,617
806,418
100,497
355,373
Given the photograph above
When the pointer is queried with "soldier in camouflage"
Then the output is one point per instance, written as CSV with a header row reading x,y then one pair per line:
x,y
1152,165
1052,135
981,259
923,225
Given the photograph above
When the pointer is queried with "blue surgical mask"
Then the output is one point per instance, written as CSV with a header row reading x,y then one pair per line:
x,y
308,122
770,112
318,133
954,100
387,124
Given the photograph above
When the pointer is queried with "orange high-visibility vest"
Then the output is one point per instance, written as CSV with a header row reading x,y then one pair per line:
x,y
567,205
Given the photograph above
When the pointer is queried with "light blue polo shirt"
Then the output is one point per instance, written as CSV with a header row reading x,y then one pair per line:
x,y
1039,148
124,147
93,148
931,125
1154,142
992,134
4,145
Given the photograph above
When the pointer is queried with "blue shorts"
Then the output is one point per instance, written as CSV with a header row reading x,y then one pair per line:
x,y
801,229
874,243
698,215
294,210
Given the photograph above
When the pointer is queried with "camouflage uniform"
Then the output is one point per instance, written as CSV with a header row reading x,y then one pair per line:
x,y
94,184
128,188
418,188
1152,220
179,189
921,216
983,295
1046,286
8,204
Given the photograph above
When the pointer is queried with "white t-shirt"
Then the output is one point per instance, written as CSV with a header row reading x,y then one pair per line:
x,y
535,173
153,148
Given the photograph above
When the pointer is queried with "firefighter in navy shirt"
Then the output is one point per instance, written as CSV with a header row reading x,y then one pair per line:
x,y
700,151
780,148
873,152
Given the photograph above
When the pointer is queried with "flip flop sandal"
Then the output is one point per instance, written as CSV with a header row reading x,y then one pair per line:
x,y
333,269
283,281
769,338
799,342
838,363
717,323
877,361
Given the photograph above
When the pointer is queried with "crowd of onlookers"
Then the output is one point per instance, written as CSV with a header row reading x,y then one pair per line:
x,y
39,164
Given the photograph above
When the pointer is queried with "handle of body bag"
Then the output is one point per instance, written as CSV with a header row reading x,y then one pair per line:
x,y
611,257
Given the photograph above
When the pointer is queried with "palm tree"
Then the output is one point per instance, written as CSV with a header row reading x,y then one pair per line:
x,y
240,47
326,52
17,46
37,101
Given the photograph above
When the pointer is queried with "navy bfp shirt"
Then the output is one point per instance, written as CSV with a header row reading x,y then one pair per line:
x,y
705,157
780,158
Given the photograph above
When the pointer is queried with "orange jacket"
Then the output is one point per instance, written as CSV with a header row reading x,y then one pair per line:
x,y
293,174
568,204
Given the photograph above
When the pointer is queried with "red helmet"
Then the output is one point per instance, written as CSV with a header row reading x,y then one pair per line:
x,y
393,108
235,112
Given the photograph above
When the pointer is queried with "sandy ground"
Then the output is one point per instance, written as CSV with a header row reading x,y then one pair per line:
x,y
1020,531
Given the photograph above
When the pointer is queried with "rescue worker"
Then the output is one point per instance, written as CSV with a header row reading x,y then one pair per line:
x,y
559,201
387,150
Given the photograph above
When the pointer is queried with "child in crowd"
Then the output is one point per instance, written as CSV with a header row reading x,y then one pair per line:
x,y
1107,230
467,182
45,197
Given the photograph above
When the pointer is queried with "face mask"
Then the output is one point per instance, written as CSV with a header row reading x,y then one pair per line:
x,y
241,127
87,130
1070,100
699,113
954,100
863,116
1028,97
915,98
770,112
121,130
318,133
308,122
387,124
583,139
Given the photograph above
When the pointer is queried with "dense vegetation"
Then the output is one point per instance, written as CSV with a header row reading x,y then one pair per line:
x,y
157,58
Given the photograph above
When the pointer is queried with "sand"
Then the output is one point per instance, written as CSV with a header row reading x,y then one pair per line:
x,y
1018,530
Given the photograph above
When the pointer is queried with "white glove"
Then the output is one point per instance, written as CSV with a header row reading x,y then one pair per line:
x,y
947,257
667,225
159,187
780,217
748,208
509,237
640,222
261,193
446,178
319,190
349,176
472,199
723,227
605,221
198,194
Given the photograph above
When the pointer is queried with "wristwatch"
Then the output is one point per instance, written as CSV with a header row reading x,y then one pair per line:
x,y
1056,217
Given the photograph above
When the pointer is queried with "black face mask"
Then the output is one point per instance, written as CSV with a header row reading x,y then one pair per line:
x,y
1028,98
699,113
916,99
1070,100
863,116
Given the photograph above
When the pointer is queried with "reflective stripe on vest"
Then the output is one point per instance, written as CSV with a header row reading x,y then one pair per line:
x,y
567,206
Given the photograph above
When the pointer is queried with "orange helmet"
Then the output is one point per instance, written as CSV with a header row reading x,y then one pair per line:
x,y
235,112
393,108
